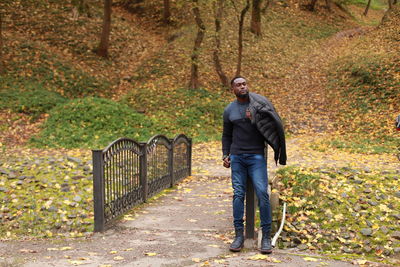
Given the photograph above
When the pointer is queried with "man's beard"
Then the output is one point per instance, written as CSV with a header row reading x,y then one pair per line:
x,y
242,96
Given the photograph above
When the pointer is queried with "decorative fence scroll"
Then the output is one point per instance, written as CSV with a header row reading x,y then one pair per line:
x,y
127,172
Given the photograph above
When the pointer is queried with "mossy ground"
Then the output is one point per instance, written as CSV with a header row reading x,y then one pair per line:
x,y
328,208
46,195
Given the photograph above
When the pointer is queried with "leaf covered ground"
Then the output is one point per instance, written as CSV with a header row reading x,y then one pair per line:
x,y
331,80
46,195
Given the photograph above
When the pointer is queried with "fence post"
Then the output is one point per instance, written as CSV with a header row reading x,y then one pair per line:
x,y
143,170
98,190
171,162
190,156
250,210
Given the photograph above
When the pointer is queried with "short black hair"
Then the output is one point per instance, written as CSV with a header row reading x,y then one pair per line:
x,y
236,77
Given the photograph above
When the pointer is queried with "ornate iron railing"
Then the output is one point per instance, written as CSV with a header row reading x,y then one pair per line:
x,y
127,172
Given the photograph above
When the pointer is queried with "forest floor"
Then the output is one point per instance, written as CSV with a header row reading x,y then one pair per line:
x,y
178,228
189,225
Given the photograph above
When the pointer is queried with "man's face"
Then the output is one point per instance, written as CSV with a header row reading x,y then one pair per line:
x,y
240,88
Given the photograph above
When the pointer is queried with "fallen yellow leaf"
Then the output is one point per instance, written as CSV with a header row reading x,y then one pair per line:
x,y
361,262
310,259
258,257
75,262
150,254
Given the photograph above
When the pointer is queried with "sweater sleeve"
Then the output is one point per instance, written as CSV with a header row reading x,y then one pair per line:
x,y
226,133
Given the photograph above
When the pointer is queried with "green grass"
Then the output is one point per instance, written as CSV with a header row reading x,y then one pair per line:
x,y
197,113
92,122
27,97
375,4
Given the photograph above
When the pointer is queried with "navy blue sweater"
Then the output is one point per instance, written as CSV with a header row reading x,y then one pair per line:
x,y
239,135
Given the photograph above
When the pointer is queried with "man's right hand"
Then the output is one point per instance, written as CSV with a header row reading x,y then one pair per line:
x,y
227,162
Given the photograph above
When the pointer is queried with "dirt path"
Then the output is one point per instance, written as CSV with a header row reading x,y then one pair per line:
x,y
190,226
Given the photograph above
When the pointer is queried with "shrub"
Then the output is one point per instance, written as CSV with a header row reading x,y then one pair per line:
x,y
196,113
30,98
90,122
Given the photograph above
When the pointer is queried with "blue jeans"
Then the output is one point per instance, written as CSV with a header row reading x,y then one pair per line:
x,y
253,166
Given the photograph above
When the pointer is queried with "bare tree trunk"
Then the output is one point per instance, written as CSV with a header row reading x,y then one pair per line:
x,y
267,3
255,25
2,67
166,12
218,14
311,5
240,38
102,50
194,77
367,8
394,2
390,4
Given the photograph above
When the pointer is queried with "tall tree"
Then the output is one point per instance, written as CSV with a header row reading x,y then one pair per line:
x,y
240,34
194,76
367,8
390,5
218,8
311,5
166,12
2,67
255,22
102,50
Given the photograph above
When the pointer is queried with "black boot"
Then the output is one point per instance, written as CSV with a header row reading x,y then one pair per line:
x,y
266,247
237,244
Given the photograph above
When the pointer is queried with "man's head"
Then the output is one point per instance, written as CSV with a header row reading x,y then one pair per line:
x,y
239,87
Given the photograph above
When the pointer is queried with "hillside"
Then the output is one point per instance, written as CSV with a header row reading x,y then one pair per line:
x,y
333,76
50,60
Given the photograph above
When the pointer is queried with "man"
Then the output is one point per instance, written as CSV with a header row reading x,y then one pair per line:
x,y
249,122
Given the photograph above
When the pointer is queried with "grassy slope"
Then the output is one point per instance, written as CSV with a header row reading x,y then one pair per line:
x,y
365,87
46,47
150,74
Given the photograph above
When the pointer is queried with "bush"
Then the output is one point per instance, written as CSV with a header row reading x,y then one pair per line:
x,y
92,122
196,113
29,98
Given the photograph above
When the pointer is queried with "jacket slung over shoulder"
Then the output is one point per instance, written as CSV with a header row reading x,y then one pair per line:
x,y
268,122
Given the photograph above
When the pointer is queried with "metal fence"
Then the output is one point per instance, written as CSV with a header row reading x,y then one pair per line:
x,y
127,172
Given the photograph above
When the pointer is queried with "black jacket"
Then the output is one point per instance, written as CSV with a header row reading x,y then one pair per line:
x,y
270,125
